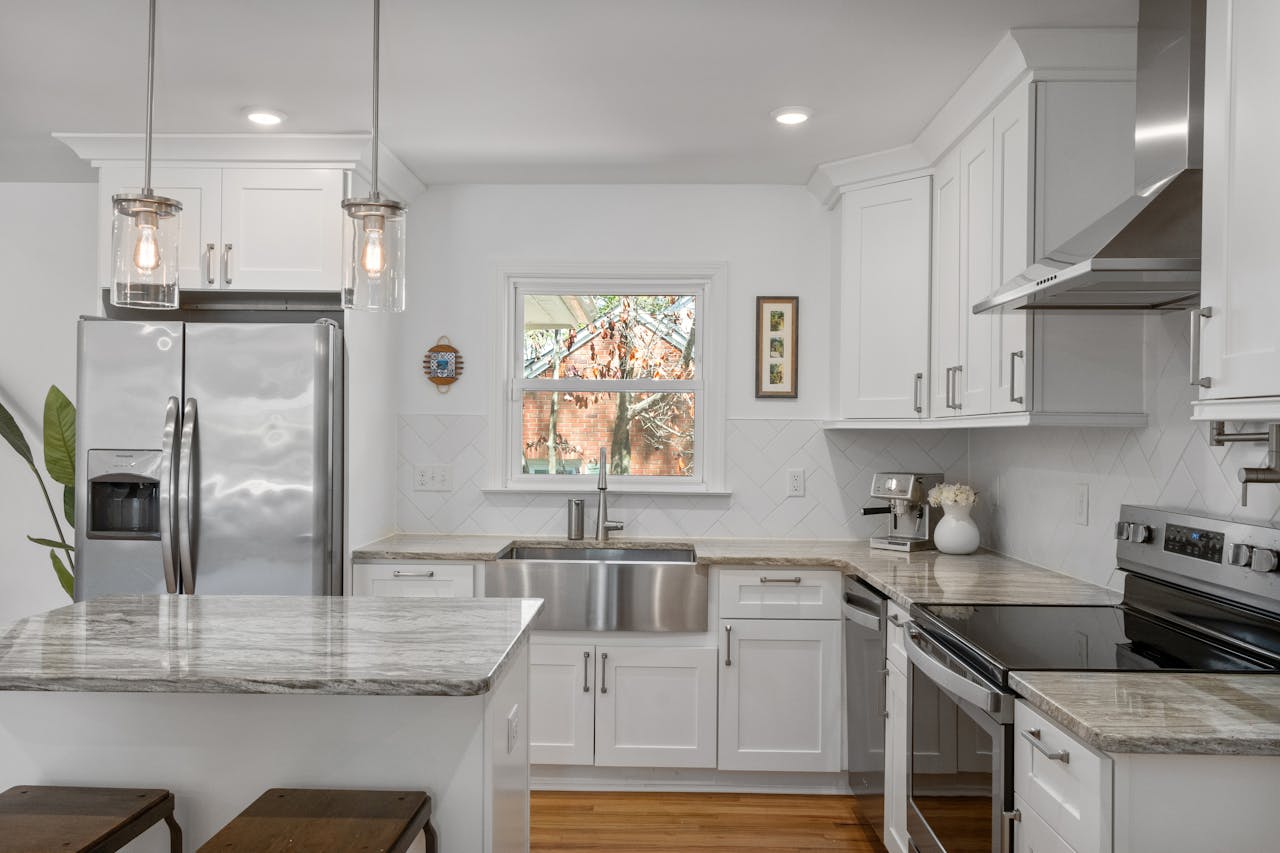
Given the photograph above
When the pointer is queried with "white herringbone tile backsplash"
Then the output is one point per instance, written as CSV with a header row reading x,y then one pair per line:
x,y
838,468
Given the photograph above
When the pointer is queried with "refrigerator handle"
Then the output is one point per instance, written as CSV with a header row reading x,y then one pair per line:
x,y
168,472
186,453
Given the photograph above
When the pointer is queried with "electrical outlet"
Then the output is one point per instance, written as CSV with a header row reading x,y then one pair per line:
x,y
1081,508
433,478
795,483
513,729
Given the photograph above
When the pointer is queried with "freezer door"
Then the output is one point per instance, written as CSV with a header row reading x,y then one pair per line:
x,y
126,374
258,465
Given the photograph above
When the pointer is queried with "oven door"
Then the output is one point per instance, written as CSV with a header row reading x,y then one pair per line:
x,y
960,776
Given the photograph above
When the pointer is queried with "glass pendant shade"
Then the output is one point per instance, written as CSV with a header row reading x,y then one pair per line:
x,y
375,270
144,251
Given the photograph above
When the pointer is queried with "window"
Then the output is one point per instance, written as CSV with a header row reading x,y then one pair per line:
x,y
613,362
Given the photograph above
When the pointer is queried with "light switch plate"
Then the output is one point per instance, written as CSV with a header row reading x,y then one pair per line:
x,y
1080,510
513,729
433,478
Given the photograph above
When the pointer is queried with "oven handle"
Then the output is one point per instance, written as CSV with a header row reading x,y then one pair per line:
x,y
940,673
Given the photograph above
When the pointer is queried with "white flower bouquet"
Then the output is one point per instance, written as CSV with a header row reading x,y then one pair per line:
x,y
952,494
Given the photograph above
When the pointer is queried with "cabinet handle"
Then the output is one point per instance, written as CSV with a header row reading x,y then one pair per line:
x,y
895,620
795,580
915,393
946,389
226,263
586,672
955,382
604,663
1006,830
728,645
209,249
1032,736
399,574
1013,356
1198,314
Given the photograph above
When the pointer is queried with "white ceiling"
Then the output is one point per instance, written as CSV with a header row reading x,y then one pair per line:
x,y
515,90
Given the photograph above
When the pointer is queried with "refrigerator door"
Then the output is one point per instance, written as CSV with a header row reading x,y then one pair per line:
x,y
259,464
129,376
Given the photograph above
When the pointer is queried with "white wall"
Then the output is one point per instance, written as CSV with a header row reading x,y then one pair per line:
x,y
48,245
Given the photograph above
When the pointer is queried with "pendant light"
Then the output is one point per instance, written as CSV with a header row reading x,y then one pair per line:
x,y
144,229
375,277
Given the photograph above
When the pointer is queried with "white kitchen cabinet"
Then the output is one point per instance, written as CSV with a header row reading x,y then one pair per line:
x,y
897,744
780,694
562,704
1067,784
946,300
414,579
762,592
655,707
884,301
1240,351
1032,834
243,228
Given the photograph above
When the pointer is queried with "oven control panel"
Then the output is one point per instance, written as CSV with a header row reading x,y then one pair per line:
x,y
1193,542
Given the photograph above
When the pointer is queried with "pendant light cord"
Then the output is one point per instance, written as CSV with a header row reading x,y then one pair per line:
x,y
377,32
151,76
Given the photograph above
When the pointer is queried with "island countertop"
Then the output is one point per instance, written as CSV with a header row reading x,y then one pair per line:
x,y
267,644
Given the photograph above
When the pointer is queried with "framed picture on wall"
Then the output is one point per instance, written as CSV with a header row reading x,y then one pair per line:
x,y
776,337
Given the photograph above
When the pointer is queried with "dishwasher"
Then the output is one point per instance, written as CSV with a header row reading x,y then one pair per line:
x,y
865,641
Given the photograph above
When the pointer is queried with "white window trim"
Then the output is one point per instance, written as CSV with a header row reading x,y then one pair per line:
x,y
505,415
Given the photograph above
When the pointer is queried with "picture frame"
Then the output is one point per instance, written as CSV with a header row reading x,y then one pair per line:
x,y
777,336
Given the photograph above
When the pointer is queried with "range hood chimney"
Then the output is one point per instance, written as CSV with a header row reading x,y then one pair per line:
x,y
1144,254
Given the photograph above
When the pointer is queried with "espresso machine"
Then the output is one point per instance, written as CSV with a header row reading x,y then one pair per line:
x,y
912,519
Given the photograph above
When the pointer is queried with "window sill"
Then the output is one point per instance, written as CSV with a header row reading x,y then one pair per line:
x,y
697,491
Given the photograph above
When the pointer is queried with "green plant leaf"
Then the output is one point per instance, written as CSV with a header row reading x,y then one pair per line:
x,y
64,577
60,437
12,434
52,543
69,504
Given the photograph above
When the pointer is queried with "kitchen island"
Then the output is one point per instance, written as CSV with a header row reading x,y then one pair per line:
x,y
219,698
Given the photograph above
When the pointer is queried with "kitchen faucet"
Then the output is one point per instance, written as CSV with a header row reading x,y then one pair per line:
x,y
603,524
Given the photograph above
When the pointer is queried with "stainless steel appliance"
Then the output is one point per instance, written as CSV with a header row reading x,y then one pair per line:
x,y
1146,252
865,644
209,457
1201,594
912,519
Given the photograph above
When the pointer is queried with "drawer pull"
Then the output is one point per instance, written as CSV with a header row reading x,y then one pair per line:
x,y
1032,736
399,574
795,580
895,620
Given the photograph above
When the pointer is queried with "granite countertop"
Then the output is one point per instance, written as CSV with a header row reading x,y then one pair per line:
x,y
267,644
1161,712
924,577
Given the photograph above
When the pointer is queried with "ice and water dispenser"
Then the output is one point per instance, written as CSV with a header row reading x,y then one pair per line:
x,y
124,494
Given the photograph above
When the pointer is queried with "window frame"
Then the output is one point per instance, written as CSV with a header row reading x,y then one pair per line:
x,y
705,282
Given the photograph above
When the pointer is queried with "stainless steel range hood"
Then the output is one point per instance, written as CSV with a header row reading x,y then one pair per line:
x,y
1144,254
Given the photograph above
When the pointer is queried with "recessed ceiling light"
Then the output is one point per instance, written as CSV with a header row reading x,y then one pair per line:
x,y
264,117
792,115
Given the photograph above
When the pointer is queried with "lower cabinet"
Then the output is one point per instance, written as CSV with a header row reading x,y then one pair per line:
x,y
622,706
1033,835
414,580
780,694
897,744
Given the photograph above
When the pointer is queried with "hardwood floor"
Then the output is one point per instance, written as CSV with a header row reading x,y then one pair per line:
x,y
617,822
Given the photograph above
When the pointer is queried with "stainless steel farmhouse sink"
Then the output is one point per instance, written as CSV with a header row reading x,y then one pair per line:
x,y
604,589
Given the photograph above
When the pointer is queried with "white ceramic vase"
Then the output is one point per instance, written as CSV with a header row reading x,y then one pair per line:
x,y
956,532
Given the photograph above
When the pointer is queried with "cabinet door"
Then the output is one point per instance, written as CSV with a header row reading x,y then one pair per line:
x,y
977,272
283,227
414,580
1032,835
199,190
895,765
884,301
655,707
1240,349
780,695
562,702
945,296
1011,252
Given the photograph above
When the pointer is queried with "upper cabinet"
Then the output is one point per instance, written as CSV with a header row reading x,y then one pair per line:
x,y
1239,352
243,228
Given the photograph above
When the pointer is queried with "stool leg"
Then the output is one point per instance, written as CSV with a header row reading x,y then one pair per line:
x,y
429,836
175,834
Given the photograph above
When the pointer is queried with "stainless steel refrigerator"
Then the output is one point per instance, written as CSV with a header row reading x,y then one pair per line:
x,y
209,458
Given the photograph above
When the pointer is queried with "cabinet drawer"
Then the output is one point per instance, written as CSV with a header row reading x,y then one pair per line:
x,y
896,651
779,593
1033,835
1071,793
417,580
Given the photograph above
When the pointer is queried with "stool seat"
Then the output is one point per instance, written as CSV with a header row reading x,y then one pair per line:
x,y
327,821
45,819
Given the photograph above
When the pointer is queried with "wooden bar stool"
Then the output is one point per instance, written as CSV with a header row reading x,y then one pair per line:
x,y
45,819
327,821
